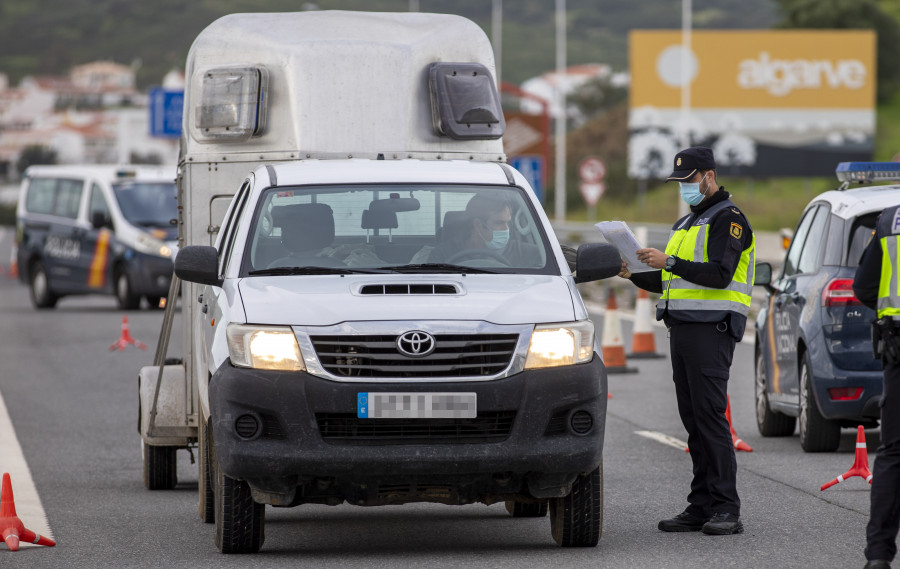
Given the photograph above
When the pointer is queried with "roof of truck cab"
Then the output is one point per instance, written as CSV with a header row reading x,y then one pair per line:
x,y
359,171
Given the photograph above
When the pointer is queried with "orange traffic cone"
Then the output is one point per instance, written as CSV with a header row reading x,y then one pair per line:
x,y
738,443
11,528
643,342
612,346
126,338
860,462
13,264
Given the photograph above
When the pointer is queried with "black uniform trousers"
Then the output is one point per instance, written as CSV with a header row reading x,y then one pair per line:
x,y
884,516
701,361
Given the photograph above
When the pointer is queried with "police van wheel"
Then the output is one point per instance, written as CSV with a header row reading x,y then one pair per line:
x,y
526,510
206,505
41,296
577,519
153,301
240,522
769,423
126,299
160,467
817,434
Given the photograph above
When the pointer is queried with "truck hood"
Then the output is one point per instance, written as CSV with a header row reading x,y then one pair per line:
x,y
329,300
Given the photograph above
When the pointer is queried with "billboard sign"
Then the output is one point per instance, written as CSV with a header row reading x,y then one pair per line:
x,y
769,103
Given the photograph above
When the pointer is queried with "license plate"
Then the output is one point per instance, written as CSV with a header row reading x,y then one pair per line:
x,y
416,405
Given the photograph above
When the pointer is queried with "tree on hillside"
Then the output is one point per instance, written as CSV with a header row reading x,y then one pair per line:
x,y
33,155
853,15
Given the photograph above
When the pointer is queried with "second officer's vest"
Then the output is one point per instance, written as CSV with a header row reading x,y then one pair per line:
x,y
888,232
691,302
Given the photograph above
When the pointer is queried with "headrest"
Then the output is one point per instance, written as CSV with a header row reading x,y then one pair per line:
x,y
305,227
379,219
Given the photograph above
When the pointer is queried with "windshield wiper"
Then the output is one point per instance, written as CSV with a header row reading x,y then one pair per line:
x,y
312,270
440,268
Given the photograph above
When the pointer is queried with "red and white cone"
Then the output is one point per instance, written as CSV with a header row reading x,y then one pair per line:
x,y
11,528
612,347
126,339
735,440
643,341
860,462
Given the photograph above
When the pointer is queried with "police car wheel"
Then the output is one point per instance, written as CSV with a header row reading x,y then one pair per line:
x,y
769,423
576,520
126,299
41,296
817,434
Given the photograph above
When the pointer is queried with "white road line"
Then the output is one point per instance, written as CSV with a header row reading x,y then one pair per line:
x,y
664,439
12,460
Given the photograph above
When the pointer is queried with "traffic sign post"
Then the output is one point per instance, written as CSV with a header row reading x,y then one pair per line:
x,y
592,172
166,109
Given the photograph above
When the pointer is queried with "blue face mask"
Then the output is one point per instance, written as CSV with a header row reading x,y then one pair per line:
x,y
690,192
499,239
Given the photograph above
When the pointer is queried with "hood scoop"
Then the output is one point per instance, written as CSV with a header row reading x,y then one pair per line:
x,y
407,289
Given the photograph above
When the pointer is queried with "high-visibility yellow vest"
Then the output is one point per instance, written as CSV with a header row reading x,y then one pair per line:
x,y
888,232
691,302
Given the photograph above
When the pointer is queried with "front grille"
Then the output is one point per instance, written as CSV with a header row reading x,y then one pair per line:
x,y
409,289
347,428
455,355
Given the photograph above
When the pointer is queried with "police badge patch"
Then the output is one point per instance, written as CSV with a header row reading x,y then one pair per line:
x,y
736,230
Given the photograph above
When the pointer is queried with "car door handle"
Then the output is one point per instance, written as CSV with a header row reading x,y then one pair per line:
x,y
205,309
200,299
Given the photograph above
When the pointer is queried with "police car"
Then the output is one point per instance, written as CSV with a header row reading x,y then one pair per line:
x,y
813,342
96,229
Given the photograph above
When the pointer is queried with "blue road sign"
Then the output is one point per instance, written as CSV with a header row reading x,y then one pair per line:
x,y
166,108
532,167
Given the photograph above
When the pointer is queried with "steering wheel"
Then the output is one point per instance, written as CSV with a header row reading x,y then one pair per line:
x,y
469,253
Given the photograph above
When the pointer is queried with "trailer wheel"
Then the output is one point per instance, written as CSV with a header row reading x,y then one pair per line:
x,y
160,467
526,510
577,519
206,505
240,522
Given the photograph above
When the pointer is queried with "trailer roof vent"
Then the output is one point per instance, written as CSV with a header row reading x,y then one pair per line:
x,y
232,105
465,104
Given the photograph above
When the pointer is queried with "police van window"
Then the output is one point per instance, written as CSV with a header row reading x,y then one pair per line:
x,y
809,258
793,257
41,195
98,203
68,198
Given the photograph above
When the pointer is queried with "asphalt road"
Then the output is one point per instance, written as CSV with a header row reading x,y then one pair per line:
x,y
73,404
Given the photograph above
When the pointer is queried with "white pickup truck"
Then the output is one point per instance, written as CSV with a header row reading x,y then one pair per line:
x,y
375,307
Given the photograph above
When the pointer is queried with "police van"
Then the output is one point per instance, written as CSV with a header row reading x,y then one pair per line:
x,y
96,229
376,309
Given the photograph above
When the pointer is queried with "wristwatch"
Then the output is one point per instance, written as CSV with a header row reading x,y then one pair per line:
x,y
670,262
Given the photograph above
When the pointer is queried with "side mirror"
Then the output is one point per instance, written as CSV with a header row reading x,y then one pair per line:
x,y
763,276
198,264
100,219
596,261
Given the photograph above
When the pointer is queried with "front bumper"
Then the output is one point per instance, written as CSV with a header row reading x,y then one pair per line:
x,y
535,432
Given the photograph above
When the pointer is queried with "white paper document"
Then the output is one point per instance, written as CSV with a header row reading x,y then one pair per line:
x,y
620,236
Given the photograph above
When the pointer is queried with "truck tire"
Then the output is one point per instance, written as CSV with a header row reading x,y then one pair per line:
x,y
206,502
160,467
41,295
577,519
817,434
240,522
769,423
526,510
124,296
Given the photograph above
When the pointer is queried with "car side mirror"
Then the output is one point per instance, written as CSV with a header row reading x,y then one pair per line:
x,y
596,261
198,264
763,276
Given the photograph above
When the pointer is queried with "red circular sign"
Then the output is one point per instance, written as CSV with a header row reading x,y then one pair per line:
x,y
591,170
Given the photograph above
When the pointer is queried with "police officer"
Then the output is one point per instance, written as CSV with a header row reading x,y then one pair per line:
x,y
705,281
876,285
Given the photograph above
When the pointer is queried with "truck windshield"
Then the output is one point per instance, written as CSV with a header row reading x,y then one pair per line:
x,y
402,228
147,204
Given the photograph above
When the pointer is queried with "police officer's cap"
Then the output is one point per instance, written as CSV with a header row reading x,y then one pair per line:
x,y
691,160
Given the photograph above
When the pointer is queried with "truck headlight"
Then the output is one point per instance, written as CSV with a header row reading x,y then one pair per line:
x,y
560,344
150,245
264,347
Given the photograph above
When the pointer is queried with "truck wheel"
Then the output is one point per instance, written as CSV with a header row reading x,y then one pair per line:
x,y
769,423
577,519
126,299
526,510
240,522
41,296
817,434
160,467
206,504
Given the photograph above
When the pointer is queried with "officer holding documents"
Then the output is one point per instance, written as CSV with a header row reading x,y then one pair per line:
x,y
876,285
705,279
